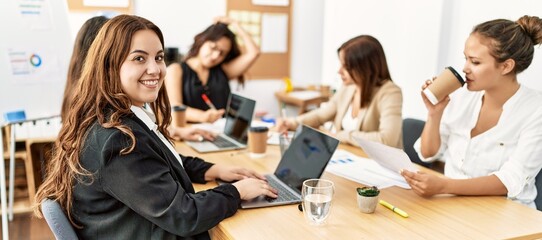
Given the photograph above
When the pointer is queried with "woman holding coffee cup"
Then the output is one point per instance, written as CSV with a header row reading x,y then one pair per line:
x,y
369,105
489,133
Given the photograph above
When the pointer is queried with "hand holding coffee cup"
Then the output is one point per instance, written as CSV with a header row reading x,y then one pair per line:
x,y
446,83
257,141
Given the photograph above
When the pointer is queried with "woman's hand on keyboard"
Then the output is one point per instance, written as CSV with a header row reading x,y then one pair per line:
x,y
232,173
250,188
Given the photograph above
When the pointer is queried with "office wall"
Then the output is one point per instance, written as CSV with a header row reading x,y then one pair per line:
x,y
180,20
466,14
420,38
408,30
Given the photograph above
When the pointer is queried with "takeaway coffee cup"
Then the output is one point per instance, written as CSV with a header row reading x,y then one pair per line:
x,y
257,141
179,116
447,82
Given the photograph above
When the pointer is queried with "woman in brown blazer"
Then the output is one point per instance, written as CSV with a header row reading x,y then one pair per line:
x,y
369,105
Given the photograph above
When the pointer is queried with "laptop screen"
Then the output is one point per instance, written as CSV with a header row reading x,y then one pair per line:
x,y
238,117
306,158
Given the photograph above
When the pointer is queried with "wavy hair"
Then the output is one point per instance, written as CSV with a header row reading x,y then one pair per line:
x,y
83,40
98,99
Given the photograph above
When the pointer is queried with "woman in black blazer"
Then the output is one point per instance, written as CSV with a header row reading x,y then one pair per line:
x,y
114,170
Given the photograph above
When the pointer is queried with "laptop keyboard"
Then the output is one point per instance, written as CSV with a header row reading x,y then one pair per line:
x,y
283,195
222,142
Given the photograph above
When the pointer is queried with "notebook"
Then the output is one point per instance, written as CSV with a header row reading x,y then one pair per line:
x,y
306,158
239,114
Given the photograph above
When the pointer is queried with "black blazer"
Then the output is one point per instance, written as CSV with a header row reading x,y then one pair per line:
x,y
145,194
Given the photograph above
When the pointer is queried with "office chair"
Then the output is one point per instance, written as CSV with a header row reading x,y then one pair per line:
x,y
57,220
412,129
538,184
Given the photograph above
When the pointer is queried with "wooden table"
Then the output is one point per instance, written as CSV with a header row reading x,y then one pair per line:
x,y
288,98
440,217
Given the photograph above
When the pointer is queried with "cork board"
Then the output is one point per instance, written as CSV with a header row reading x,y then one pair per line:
x,y
270,64
79,6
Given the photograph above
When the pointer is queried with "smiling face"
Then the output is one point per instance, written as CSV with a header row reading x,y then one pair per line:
x,y
345,75
481,69
213,53
142,73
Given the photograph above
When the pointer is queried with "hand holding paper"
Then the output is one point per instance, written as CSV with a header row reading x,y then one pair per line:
x,y
391,158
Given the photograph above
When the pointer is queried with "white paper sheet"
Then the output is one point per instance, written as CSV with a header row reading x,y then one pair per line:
x,y
391,158
363,170
274,33
282,3
305,95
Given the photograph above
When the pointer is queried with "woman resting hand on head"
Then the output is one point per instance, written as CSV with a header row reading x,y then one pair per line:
x,y
213,60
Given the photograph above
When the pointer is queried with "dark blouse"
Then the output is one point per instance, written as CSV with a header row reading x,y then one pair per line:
x,y
217,88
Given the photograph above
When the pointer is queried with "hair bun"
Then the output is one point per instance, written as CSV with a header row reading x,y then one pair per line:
x,y
532,26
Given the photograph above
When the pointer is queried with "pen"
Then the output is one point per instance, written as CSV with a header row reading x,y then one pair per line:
x,y
207,101
394,209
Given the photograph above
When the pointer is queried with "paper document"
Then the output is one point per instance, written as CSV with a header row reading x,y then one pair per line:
x,y
216,127
305,95
363,170
273,137
391,158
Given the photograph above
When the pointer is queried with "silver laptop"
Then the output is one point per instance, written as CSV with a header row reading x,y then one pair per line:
x,y
239,114
306,158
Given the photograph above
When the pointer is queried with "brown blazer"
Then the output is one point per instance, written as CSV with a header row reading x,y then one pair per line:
x,y
381,121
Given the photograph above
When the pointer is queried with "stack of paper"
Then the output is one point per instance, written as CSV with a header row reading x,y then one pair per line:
x,y
364,171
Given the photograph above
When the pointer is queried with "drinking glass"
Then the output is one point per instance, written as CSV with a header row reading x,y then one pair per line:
x,y
284,143
317,197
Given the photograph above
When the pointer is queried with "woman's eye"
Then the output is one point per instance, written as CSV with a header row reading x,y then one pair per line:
x,y
159,58
139,59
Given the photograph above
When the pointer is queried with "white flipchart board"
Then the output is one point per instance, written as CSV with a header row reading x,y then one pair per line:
x,y
35,49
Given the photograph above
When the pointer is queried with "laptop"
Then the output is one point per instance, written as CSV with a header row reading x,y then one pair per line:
x,y
239,114
306,158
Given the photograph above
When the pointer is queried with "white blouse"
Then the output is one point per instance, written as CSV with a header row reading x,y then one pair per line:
x,y
349,122
511,150
149,119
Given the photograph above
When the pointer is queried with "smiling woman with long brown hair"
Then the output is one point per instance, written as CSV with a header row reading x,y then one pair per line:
x,y
114,169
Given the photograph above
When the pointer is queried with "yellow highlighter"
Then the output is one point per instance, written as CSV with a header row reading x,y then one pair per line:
x,y
394,209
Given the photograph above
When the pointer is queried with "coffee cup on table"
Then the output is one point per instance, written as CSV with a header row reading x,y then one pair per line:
x,y
179,116
447,82
257,141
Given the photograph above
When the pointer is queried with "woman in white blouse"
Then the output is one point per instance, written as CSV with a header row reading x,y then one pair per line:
x,y
490,134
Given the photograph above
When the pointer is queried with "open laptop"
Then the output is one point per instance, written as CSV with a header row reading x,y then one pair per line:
x,y
239,114
306,158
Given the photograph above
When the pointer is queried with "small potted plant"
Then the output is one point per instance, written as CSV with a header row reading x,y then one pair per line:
x,y
367,198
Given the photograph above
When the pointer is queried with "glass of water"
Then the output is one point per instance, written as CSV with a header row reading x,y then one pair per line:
x,y
284,143
317,197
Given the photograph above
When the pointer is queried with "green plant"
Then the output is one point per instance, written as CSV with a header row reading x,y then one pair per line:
x,y
368,191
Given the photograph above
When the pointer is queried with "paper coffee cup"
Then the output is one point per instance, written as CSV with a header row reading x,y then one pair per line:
x,y
447,82
179,116
257,141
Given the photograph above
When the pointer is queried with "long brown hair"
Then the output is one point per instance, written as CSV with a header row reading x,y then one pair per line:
x,y
512,40
82,43
98,99
365,61
214,33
